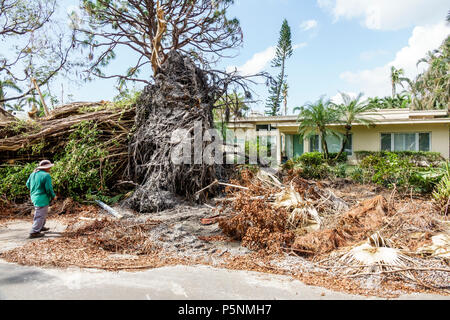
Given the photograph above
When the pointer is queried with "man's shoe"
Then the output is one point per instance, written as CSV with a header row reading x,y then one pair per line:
x,y
36,235
44,229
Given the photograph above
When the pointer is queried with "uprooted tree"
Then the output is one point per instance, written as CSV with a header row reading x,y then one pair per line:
x,y
176,42
178,39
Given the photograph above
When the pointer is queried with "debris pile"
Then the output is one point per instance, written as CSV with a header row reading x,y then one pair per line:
x,y
397,239
17,138
270,215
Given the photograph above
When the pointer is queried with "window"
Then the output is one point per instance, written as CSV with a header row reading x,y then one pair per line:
x,y
424,142
263,127
334,144
406,141
314,145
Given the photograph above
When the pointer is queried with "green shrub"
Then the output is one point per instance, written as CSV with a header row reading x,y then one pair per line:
x,y
311,159
340,170
342,158
13,181
82,168
441,193
413,156
389,169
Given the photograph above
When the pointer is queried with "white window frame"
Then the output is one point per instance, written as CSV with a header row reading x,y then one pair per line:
x,y
417,134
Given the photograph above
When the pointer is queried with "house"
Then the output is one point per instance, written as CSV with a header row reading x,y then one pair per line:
x,y
394,130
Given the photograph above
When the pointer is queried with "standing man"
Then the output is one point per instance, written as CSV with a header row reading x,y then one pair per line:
x,y
40,185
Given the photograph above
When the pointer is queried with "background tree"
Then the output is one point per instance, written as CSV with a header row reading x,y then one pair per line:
x,y
5,84
35,45
351,112
283,52
229,106
314,119
431,88
396,78
199,29
285,96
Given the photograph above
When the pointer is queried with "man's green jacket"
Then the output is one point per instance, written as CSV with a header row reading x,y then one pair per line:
x,y
41,190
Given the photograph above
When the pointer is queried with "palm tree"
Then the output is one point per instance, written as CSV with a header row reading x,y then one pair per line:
x,y
351,112
396,79
230,105
7,84
314,119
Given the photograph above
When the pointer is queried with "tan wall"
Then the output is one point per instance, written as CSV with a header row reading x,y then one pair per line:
x,y
369,139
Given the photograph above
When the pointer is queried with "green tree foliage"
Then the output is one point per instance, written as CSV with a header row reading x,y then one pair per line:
x,y
283,52
351,112
315,118
396,78
4,85
83,167
400,101
431,89
37,44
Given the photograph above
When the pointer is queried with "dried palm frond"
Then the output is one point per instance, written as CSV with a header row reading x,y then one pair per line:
x,y
375,255
306,218
440,246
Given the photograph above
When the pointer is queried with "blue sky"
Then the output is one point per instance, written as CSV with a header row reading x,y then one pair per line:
x,y
341,45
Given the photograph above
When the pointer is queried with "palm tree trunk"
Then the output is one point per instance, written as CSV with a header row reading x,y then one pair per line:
x,y
325,146
344,141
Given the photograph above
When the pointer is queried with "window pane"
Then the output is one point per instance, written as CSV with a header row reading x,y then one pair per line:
x,y
334,144
424,142
314,144
385,142
349,145
405,142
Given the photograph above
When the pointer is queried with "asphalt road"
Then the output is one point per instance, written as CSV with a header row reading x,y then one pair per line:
x,y
169,283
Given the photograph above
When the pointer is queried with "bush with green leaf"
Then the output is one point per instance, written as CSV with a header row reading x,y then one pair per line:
x,y
13,181
391,169
441,193
83,167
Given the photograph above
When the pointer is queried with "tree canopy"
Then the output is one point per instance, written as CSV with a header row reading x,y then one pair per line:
x,y
283,52
151,29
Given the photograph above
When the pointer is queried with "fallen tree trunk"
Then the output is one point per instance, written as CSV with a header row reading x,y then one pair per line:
x,y
18,139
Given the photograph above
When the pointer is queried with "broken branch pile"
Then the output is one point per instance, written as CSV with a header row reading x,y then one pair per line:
x,y
22,141
404,239
269,215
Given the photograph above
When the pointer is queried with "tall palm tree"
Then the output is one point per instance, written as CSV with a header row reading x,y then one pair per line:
x,y
351,112
396,78
4,84
314,119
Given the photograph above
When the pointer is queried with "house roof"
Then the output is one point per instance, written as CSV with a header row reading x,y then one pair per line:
x,y
385,116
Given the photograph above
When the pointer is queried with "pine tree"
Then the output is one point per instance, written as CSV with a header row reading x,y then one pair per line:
x,y
283,52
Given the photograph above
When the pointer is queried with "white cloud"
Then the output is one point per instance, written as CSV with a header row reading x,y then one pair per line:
x,y
259,61
299,45
369,55
256,64
308,25
375,82
388,14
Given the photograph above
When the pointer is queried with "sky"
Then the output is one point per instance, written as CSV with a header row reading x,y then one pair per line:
x,y
340,46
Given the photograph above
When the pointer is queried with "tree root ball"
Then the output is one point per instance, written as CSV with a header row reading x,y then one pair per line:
x,y
179,98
